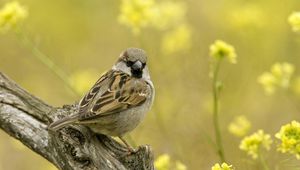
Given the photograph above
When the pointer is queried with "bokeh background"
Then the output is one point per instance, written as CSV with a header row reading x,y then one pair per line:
x,y
85,37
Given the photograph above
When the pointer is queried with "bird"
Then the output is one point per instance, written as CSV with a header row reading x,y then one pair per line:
x,y
118,101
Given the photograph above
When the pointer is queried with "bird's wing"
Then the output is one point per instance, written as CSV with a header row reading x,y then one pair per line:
x,y
123,92
87,100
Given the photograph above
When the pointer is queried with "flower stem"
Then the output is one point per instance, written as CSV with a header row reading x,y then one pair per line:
x,y
59,72
263,162
216,90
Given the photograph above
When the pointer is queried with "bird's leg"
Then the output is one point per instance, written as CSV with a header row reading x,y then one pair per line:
x,y
130,148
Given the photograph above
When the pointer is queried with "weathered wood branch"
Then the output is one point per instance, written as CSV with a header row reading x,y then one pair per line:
x,y
26,117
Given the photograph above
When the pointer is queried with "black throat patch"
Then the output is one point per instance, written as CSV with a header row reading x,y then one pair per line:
x,y
137,73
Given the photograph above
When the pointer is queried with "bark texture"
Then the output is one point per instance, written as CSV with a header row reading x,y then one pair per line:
x,y
25,117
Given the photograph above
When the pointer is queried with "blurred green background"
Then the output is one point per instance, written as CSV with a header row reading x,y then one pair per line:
x,y
85,37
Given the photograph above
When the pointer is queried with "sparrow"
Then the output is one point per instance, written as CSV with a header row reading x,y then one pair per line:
x,y
118,101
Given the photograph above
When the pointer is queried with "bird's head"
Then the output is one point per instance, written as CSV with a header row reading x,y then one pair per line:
x,y
133,61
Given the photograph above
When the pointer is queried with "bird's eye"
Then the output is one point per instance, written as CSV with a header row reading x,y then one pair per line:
x,y
129,63
144,64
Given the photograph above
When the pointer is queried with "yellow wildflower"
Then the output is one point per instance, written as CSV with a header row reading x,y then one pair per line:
x,y
240,126
221,49
180,166
268,81
279,76
11,15
167,14
224,166
294,21
283,73
177,40
82,81
247,16
163,162
254,143
290,138
136,14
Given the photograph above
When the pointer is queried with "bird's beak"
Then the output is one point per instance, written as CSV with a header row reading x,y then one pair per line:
x,y
137,66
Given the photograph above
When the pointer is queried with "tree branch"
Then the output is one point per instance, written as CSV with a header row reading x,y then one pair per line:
x,y
26,118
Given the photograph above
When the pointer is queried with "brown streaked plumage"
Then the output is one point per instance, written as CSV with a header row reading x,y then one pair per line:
x,y
118,101
123,93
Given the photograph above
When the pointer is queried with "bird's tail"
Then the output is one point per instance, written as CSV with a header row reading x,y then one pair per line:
x,y
54,126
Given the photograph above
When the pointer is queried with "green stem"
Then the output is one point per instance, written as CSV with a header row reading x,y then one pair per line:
x,y
59,72
209,139
263,162
215,87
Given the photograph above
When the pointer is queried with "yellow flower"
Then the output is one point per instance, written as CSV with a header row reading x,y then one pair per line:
x,y
254,143
279,76
240,126
167,14
180,166
11,15
163,162
136,14
82,81
283,73
268,81
224,166
290,138
221,49
294,21
177,40
247,16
